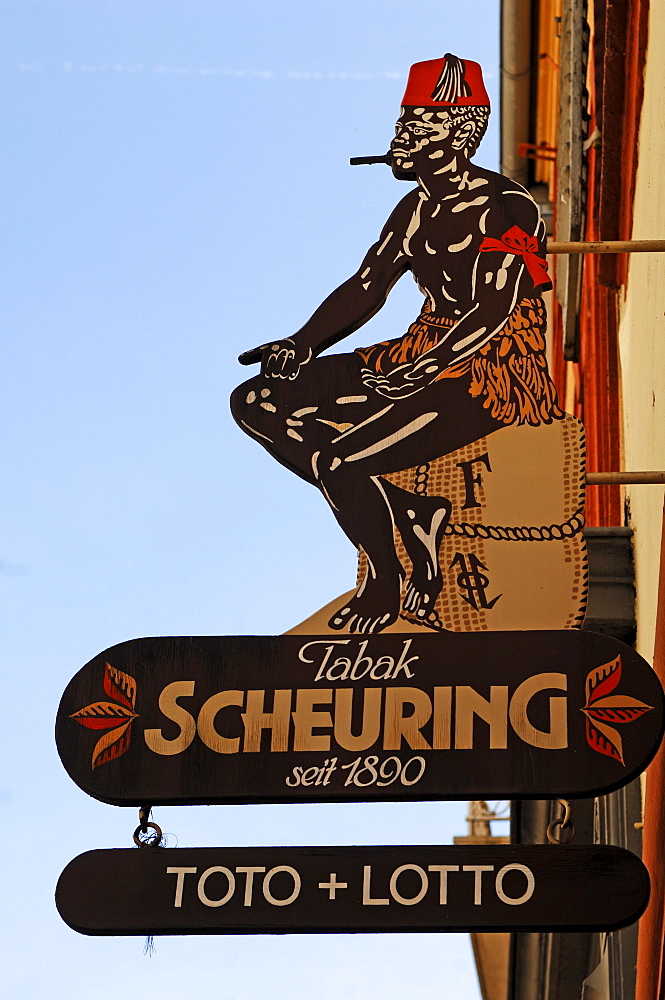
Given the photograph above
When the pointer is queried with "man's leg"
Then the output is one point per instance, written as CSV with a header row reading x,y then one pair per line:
x,y
421,521
360,506
332,431
401,435
298,422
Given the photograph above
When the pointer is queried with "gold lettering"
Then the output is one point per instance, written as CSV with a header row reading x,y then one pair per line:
x,y
371,725
408,900
256,720
397,726
367,890
477,880
309,775
441,732
494,712
557,737
305,719
168,706
387,662
443,880
367,662
342,661
207,716
180,872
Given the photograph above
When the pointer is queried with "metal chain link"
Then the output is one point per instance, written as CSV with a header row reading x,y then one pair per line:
x,y
142,835
561,823
144,816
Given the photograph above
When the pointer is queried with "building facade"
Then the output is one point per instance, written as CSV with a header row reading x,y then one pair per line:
x,y
583,106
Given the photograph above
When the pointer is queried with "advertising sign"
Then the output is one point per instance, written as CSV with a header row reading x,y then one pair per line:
x,y
345,718
274,890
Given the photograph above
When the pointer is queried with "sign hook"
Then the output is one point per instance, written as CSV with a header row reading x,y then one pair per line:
x,y
562,824
142,835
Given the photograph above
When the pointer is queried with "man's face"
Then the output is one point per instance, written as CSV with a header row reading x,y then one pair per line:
x,y
421,135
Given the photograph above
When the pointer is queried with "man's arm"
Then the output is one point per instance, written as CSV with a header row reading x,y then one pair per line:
x,y
349,306
510,266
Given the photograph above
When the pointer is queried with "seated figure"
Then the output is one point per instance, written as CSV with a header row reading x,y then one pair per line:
x,y
367,428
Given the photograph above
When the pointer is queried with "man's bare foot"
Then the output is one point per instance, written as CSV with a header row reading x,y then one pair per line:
x,y
422,590
422,538
374,606
421,522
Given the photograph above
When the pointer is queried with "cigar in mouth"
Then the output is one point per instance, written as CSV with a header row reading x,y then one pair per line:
x,y
357,160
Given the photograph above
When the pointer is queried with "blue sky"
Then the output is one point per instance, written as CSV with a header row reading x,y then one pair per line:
x,y
176,190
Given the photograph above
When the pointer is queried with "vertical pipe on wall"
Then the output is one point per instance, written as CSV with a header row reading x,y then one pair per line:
x,y
515,86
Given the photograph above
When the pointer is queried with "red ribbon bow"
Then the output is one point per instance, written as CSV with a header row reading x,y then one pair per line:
x,y
520,244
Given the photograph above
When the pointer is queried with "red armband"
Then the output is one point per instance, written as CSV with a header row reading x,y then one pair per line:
x,y
515,241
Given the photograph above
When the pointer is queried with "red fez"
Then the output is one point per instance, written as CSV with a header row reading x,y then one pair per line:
x,y
447,82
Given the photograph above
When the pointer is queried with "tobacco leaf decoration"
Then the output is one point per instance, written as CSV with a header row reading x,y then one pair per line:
x,y
102,715
603,707
120,686
113,717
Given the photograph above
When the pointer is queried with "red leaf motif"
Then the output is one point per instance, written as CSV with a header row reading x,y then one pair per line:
x,y
603,707
115,717
112,745
120,686
604,739
603,680
618,708
103,715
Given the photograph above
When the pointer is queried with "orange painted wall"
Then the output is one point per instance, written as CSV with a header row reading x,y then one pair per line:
x,y
591,387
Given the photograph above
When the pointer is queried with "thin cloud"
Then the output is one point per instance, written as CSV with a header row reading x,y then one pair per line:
x,y
163,69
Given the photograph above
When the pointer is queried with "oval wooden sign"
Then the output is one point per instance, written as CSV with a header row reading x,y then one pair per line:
x,y
282,890
318,718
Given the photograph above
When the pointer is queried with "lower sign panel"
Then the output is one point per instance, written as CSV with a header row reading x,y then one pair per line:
x,y
274,890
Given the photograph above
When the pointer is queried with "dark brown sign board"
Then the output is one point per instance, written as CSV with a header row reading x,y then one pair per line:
x,y
241,719
286,890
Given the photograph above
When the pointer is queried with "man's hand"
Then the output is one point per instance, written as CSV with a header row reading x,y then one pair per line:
x,y
405,380
284,359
